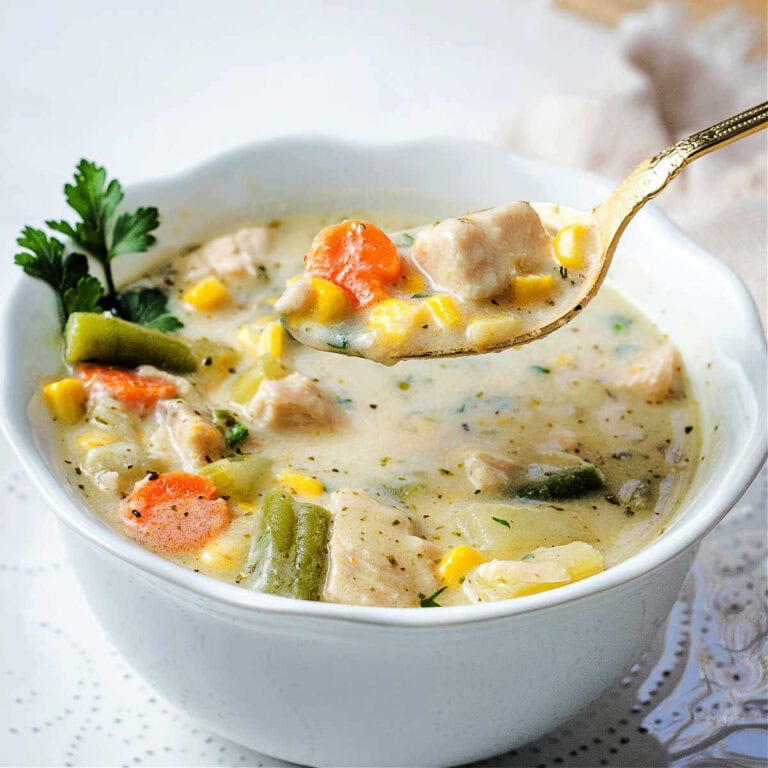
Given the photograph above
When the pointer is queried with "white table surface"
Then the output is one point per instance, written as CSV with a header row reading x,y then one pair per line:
x,y
147,88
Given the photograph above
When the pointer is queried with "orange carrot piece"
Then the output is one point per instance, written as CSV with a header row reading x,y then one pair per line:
x,y
139,393
174,512
358,257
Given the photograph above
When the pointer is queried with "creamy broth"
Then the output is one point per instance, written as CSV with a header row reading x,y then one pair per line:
x,y
440,450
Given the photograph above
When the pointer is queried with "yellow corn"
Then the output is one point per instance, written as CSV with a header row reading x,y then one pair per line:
x,y
444,310
394,319
572,244
458,563
329,303
272,341
301,485
207,295
488,331
249,336
89,440
412,282
578,558
529,288
65,400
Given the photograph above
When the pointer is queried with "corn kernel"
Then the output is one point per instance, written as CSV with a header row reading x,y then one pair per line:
x,y
458,563
488,331
249,336
89,440
65,400
272,341
573,245
444,310
394,319
529,288
301,485
412,282
578,558
329,301
207,295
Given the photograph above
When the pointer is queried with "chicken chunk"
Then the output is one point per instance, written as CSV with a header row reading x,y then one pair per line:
x,y
192,434
295,401
487,472
239,255
652,378
475,257
375,556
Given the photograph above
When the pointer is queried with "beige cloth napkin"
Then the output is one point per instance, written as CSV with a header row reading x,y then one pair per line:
x,y
671,78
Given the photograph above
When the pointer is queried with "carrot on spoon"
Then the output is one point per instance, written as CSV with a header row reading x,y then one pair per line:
x,y
358,257
174,511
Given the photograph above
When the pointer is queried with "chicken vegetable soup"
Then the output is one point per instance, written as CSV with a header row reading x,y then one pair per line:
x,y
231,449
192,423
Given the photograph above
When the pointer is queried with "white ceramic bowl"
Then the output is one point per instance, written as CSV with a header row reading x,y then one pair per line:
x,y
348,685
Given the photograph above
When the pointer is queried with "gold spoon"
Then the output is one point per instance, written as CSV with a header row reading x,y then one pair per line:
x,y
610,219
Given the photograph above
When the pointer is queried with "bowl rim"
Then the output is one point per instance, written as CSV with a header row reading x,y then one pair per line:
x,y
668,546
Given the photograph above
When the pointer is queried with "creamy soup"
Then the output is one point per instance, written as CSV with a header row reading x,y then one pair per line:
x,y
238,452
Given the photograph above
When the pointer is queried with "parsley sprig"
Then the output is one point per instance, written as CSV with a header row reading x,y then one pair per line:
x,y
45,259
103,234
431,601
95,199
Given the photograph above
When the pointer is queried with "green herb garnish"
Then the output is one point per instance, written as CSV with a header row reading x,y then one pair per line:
x,y
102,234
45,259
529,556
619,323
501,521
234,431
95,200
540,369
147,306
429,602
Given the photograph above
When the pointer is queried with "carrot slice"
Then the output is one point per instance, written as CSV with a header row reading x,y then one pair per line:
x,y
139,393
174,512
358,257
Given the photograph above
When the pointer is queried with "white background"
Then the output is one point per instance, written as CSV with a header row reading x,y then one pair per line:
x,y
148,88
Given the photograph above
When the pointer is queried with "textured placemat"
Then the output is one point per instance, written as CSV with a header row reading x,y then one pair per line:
x,y
67,697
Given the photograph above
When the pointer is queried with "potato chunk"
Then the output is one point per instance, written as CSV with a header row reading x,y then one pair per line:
x,y
375,556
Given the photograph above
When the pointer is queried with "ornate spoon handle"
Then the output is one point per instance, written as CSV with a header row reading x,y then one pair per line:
x,y
653,174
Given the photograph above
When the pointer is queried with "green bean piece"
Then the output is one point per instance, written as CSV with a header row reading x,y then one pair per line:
x,y
566,484
110,340
271,561
311,551
237,477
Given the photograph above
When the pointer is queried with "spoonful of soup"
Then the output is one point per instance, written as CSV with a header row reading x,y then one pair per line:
x,y
482,282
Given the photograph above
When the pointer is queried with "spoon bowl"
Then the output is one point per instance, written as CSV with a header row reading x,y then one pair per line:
x,y
517,324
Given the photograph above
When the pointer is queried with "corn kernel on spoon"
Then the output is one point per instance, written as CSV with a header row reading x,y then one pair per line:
x,y
486,281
